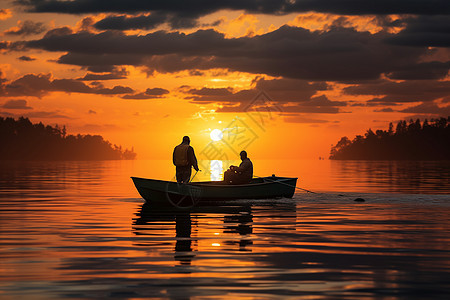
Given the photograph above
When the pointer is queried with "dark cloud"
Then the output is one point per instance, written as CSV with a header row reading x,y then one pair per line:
x,y
6,114
173,63
323,101
316,105
387,109
145,21
47,115
378,102
185,14
4,45
211,92
297,118
201,42
26,58
380,7
124,22
12,46
402,92
425,31
99,62
428,108
281,95
102,68
16,104
341,54
60,31
108,76
196,8
148,94
221,95
290,90
156,91
428,70
279,90
41,84
26,28
113,75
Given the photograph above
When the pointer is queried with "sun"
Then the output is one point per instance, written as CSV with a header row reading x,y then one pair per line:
x,y
216,135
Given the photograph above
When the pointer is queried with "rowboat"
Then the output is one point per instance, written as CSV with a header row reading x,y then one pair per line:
x,y
169,193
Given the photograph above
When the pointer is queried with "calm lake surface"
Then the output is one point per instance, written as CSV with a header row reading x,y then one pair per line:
x,y
79,230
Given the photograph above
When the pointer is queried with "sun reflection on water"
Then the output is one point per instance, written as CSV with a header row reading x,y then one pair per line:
x,y
216,169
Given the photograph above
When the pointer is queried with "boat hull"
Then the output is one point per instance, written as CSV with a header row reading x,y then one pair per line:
x,y
169,193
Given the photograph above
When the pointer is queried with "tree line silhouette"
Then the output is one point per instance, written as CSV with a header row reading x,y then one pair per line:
x,y
429,140
22,140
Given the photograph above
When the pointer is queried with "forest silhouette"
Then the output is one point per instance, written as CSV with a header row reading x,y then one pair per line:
x,y
429,140
22,140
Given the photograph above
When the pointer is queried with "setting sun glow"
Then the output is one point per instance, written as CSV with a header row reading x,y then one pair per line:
x,y
216,135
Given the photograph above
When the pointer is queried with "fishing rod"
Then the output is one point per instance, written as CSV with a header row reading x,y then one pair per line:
x,y
287,184
194,176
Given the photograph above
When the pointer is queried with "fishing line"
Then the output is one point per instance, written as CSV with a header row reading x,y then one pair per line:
x,y
266,178
287,184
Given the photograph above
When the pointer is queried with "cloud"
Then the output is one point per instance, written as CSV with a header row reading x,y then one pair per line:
x,y
387,109
16,104
279,90
12,46
5,14
427,70
278,95
208,95
290,90
26,58
339,54
230,100
26,28
297,118
113,75
6,114
428,108
402,92
144,21
148,94
195,8
425,31
316,105
124,22
4,45
41,84
47,115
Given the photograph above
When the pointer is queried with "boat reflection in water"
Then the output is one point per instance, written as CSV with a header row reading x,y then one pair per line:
x,y
233,229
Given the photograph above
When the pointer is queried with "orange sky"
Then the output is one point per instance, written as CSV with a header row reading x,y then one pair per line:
x,y
325,73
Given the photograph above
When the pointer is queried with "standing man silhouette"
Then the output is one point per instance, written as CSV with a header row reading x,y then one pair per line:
x,y
184,159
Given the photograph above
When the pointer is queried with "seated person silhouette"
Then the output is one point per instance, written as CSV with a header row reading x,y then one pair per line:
x,y
242,174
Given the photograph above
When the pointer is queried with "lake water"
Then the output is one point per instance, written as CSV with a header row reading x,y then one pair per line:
x,y
79,230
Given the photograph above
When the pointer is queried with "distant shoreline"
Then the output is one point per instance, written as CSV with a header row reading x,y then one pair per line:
x,y
416,141
24,141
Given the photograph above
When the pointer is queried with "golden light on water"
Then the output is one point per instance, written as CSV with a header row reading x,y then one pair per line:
x,y
216,169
